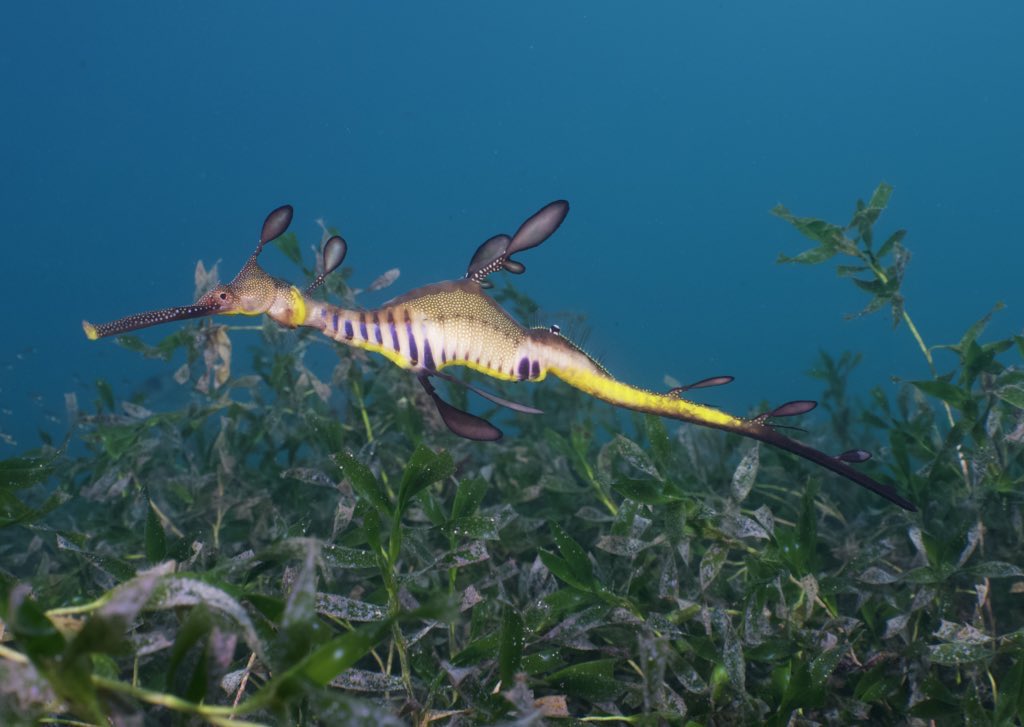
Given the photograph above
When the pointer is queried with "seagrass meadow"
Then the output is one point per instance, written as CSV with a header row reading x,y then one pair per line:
x,y
298,539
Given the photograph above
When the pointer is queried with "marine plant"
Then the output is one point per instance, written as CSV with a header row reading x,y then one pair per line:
x,y
275,548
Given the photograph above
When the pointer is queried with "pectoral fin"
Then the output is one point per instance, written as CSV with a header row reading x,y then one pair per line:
x,y
513,405
461,422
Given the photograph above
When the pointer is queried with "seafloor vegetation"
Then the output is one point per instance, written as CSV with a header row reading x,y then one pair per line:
x,y
290,550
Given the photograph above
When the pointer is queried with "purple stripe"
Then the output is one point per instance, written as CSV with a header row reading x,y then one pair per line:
x,y
524,367
428,357
348,329
335,321
414,353
535,370
394,331
376,329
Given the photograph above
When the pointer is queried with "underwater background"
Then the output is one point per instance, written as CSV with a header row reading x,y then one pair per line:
x,y
140,138
231,523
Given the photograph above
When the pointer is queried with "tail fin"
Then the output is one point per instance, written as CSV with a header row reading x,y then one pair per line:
x,y
838,464
580,371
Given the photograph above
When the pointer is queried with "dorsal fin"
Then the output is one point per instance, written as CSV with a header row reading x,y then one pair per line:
x,y
702,384
495,254
332,255
488,258
274,226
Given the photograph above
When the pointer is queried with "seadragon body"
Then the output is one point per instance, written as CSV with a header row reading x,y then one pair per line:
x,y
457,323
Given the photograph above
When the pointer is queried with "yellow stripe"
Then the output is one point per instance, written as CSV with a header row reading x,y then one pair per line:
x,y
299,311
621,394
389,353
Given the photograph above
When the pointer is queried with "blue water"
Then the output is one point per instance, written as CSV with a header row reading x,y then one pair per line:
x,y
140,137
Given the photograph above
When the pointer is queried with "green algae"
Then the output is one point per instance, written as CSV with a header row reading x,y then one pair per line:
x,y
277,551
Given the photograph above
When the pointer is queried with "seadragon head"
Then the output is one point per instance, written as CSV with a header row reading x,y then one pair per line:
x,y
253,291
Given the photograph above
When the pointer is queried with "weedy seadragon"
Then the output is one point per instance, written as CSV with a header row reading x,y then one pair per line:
x,y
456,323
